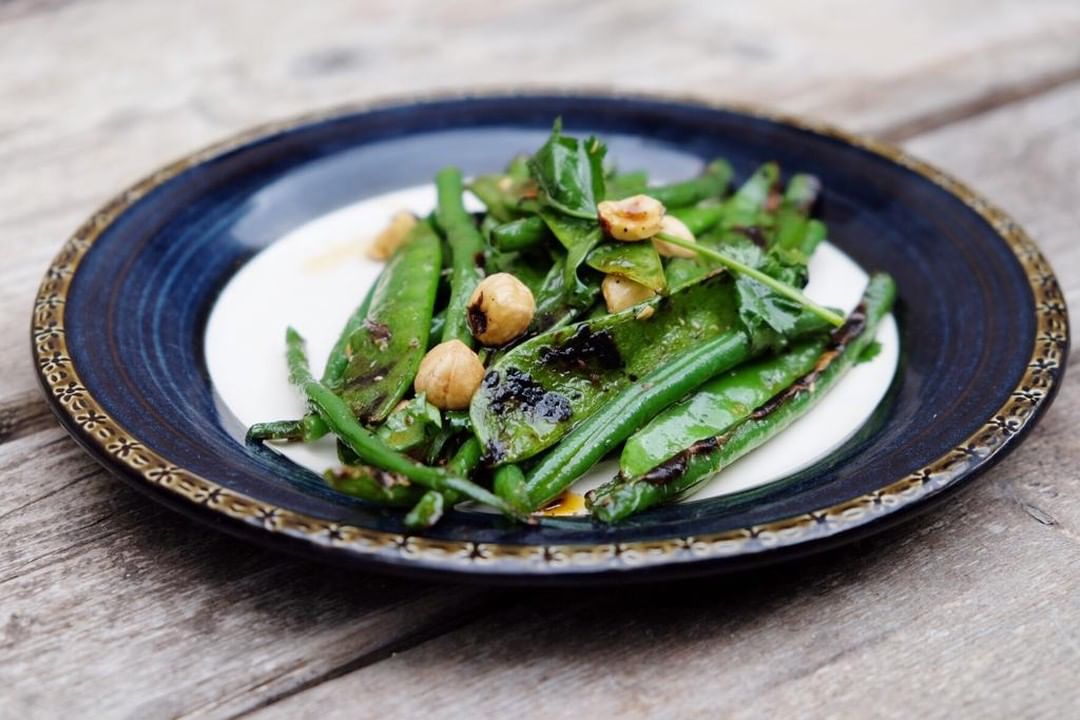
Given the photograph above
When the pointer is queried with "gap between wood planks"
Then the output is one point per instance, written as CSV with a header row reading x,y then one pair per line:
x,y
441,625
992,100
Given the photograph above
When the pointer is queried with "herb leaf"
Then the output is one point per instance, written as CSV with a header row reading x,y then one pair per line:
x,y
637,261
579,237
570,173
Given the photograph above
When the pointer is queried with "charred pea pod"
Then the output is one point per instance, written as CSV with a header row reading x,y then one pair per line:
x,y
311,427
466,252
537,391
375,486
386,349
698,462
602,431
716,406
367,446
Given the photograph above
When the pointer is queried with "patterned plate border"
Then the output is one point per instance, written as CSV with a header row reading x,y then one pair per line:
x,y
92,424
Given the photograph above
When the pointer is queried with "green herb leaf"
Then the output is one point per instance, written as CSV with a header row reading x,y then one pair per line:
x,y
579,237
637,261
570,173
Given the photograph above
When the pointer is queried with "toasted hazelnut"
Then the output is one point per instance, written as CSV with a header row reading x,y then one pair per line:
x,y
500,309
620,293
634,218
392,236
674,226
449,375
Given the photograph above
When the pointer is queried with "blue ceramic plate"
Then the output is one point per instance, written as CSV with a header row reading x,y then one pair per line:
x,y
120,320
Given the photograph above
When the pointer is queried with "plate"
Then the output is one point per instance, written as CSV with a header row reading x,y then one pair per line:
x,y
121,341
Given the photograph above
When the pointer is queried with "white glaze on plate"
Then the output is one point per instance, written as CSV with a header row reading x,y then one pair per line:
x,y
313,277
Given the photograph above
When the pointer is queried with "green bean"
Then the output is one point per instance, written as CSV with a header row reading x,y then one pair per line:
x,y
385,350
693,465
466,251
792,221
594,436
519,234
337,415
712,183
626,184
699,218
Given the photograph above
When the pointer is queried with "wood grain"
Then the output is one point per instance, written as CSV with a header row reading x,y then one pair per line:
x,y
112,607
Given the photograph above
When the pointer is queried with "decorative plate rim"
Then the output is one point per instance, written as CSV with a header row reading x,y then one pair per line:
x,y
83,417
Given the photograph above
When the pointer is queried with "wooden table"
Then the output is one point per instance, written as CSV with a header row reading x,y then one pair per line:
x,y
113,607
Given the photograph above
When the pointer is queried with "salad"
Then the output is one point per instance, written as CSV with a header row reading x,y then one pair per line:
x,y
585,314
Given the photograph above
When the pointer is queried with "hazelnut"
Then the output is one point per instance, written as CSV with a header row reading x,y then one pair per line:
x,y
500,309
392,236
634,218
449,375
674,226
620,292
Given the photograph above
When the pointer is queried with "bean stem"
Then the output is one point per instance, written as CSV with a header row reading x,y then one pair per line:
x,y
833,318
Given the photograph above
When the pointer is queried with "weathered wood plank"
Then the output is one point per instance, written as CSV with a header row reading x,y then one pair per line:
x,y
971,609
112,607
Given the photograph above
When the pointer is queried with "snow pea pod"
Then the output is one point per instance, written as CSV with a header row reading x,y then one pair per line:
x,y
699,461
466,252
716,406
311,427
536,392
387,348
637,404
